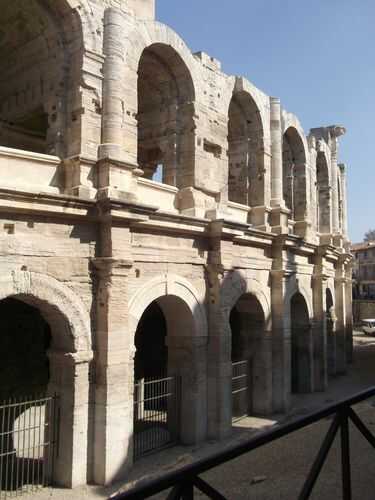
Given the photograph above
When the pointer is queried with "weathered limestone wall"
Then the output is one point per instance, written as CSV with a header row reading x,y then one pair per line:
x,y
247,215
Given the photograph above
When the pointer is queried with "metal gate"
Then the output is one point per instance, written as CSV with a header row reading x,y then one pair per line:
x,y
156,414
28,435
240,389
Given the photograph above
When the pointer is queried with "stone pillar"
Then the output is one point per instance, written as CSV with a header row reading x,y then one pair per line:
x,y
277,154
219,382
114,367
340,305
320,333
279,214
187,359
113,85
349,314
281,343
117,167
344,202
69,378
335,133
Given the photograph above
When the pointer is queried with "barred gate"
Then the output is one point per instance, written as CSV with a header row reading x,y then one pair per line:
x,y
156,414
240,389
28,435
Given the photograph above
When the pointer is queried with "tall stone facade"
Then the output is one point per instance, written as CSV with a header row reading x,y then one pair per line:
x,y
136,175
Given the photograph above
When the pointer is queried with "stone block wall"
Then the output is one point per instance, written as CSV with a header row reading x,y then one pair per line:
x,y
166,183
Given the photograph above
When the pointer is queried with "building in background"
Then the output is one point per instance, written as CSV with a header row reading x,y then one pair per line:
x,y
167,231
364,270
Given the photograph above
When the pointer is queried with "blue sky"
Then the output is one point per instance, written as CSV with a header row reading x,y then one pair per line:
x,y
318,57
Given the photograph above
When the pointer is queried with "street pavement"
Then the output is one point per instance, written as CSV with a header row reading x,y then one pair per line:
x,y
276,471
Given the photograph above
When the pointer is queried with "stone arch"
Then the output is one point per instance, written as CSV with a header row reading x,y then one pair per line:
x,y
245,150
323,195
58,303
150,33
295,173
170,285
186,339
69,356
302,362
297,287
165,116
247,318
238,284
36,115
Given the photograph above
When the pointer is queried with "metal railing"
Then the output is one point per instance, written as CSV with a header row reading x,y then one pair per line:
x,y
28,434
240,390
184,480
156,415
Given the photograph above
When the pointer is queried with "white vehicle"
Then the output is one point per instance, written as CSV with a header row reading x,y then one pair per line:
x,y
368,326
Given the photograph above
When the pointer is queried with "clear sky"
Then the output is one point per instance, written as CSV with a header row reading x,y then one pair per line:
x,y
318,57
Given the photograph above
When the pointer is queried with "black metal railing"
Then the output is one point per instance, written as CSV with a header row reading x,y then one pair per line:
x,y
240,390
156,414
28,434
185,480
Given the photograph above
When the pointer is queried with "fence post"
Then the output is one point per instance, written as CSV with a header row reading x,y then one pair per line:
x,y
345,457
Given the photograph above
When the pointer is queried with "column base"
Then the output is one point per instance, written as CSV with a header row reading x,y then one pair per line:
x,y
279,220
259,217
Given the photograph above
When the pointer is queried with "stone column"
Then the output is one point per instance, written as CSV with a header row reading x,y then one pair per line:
x,y
219,362
114,367
279,214
281,344
277,154
117,169
113,85
340,305
344,202
335,133
349,314
69,378
320,332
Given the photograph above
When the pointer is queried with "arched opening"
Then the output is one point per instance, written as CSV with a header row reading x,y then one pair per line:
x,y
294,174
34,67
245,140
166,364
51,352
32,349
151,357
24,341
323,197
330,327
166,137
301,346
24,375
247,323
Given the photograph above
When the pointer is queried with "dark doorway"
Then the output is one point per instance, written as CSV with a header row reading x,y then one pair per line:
x,y
301,355
151,357
247,327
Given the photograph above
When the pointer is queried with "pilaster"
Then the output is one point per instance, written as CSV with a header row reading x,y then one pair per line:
x,y
114,373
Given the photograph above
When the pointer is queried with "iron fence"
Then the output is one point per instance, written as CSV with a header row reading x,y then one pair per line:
x,y
28,435
240,389
185,480
156,414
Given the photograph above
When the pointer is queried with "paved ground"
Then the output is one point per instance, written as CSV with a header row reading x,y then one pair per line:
x,y
276,471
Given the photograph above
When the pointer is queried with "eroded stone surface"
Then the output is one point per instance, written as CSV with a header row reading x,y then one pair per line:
x,y
135,173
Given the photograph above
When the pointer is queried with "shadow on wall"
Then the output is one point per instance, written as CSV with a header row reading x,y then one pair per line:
x,y
168,337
